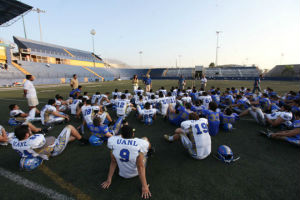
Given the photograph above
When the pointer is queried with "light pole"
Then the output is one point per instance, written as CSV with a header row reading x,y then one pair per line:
x,y
93,33
141,60
24,27
39,11
217,47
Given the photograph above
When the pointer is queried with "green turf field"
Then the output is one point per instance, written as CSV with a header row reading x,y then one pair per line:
x,y
268,169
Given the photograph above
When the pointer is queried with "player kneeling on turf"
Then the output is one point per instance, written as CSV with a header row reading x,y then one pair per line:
x,y
33,149
194,136
129,154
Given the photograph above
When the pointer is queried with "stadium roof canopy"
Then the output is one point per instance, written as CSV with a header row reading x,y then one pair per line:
x,y
10,9
53,49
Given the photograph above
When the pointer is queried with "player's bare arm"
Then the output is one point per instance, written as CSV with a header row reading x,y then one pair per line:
x,y
112,168
142,175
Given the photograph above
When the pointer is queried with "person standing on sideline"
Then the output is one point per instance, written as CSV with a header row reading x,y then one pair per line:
x,y
30,92
181,82
135,82
148,83
74,82
257,84
203,81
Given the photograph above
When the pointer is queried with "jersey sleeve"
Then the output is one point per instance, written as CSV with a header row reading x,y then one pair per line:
x,y
144,145
110,142
185,125
36,141
286,116
26,86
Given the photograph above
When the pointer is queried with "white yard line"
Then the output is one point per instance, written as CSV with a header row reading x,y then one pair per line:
x,y
31,185
22,100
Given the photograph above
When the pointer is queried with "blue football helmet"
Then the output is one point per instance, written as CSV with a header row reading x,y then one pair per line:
x,y
225,154
95,141
227,127
31,163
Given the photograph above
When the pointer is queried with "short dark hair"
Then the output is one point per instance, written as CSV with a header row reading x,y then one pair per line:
x,y
51,101
28,76
127,132
213,106
147,105
79,87
12,106
74,75
228,111
88,101
20,131
193,116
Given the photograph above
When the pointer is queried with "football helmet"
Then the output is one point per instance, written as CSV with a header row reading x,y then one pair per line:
x,y
30,163
225,154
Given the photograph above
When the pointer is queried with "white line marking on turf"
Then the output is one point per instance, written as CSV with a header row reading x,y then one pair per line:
x,y
22,100
31,185
42,91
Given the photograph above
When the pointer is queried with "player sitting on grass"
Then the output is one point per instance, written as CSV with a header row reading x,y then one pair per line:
x,y
34,148
5,137
75,105
179,114
50,115
228,118
130,155
194,136
101,132
19,116
213,117
123,106
148,114
292,136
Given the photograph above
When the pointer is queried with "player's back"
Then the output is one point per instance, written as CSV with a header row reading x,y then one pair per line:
x,y
199,136
121,106
87,113
126,152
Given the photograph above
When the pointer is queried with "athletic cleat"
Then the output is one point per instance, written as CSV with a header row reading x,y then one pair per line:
x,y
267,133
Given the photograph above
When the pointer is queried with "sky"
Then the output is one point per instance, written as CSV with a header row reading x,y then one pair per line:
x,y
261,32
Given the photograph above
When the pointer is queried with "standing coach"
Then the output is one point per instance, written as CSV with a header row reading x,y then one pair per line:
x,y
30,92
257,84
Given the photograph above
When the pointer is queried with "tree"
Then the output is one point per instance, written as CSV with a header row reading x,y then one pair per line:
x,y
211,65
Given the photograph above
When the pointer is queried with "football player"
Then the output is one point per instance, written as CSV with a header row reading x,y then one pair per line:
x,y
130,155
292,136
50,115
194,135
213,117
31,146
5,137
147,114
17,114
123,106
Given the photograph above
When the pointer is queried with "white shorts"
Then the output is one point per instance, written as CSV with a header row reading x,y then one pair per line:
x,y
33,101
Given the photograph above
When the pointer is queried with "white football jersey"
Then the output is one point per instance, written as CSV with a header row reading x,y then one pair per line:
x,y
26,147
186,99
164,105
15,113
116,93
148,113
138,91
46,113
122,105
74,105
126,152
197,131
95,97
287,116
206,100
87,111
